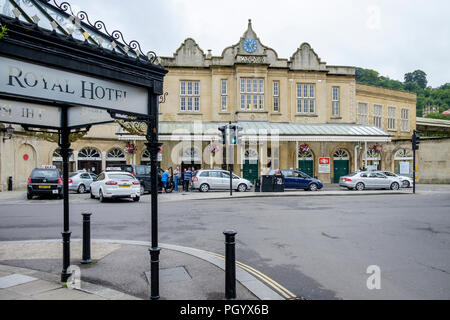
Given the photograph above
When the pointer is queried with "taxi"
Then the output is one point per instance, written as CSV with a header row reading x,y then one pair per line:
x,y
45,181
114,184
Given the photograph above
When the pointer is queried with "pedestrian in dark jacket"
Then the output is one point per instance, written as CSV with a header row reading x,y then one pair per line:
x,y
187,179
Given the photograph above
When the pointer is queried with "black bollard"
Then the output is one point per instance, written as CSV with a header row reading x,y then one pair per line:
x,y
86,237
230,265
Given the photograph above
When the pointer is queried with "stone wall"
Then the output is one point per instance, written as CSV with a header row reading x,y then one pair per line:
x,y
434,161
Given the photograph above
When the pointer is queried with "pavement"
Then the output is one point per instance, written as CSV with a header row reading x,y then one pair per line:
x,y
30,270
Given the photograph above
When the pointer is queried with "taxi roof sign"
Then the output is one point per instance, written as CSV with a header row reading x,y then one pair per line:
x,y
48,166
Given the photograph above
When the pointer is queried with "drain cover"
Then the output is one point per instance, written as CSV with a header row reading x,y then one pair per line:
x,y
171,275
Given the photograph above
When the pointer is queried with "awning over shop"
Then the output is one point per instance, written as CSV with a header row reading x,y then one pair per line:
x,y
266,131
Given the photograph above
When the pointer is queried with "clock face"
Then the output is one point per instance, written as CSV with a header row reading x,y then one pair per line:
x,y
250,45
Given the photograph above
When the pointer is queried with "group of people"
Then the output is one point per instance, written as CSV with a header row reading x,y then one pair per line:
x,y
183,178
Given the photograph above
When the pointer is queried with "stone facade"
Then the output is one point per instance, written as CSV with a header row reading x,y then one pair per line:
x,y
247,63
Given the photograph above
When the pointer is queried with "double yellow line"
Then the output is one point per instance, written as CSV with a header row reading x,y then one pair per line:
x,y
270,282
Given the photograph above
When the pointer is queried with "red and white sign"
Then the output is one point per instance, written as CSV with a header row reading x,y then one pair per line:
x,y
324,165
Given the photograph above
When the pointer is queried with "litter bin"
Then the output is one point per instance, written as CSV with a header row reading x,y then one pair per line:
x,y
10,184
267,183
278,183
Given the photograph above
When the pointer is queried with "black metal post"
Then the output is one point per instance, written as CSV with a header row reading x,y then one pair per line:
x,y
65,151
230,265
86,238
231,177
153,146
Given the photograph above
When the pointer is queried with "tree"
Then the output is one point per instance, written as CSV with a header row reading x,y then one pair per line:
x,y
417,76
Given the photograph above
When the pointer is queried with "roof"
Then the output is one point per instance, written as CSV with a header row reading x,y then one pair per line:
x,y
59,18
176,130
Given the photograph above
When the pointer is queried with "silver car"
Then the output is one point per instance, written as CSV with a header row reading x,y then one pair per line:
x,y
205,180
406,182
81,181
369,180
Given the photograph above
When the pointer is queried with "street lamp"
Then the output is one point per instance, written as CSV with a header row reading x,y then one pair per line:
x,y
9,132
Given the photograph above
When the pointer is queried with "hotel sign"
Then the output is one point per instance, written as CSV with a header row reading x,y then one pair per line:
x,y
25,79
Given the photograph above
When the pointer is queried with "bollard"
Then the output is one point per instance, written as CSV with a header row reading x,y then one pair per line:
x,y
10,183
230,265
258,185
86,237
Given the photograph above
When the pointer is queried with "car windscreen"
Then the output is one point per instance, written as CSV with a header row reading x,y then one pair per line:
x,y
118,176
49,174
351,174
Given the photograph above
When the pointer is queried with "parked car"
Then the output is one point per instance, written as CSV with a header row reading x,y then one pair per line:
x,y
46,180
116,184
205,180
296,179
369,180
406,182
142,173
81,181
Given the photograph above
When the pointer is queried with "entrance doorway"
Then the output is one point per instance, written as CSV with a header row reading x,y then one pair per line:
x,y
341,163
306,163
90,160
250,168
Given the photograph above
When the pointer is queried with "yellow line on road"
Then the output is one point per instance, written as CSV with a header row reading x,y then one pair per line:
x,y
278,287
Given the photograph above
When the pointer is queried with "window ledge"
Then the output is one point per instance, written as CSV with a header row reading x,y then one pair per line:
x,y
395,130
275,113
306,115
251,111
225,112
190,113
336,118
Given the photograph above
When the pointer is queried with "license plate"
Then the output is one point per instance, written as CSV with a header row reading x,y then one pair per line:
x,y
44,187
55,191
125,186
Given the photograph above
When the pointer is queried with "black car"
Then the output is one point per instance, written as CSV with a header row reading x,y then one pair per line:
x,y
45,181
142,173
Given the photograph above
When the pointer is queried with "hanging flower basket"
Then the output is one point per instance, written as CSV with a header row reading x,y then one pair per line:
x,y
376,149
131,148
303,150
213,149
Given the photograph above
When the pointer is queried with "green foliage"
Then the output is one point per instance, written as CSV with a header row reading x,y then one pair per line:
x,y
3,31
415,82
438,116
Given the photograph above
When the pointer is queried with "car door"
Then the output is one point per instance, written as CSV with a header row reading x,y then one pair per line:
x,y
225,181
383,180
289,180
215,180
364,178
95,186
86,180
302,180
375,182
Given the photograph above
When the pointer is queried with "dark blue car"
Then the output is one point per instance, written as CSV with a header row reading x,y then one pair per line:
x,y
296,179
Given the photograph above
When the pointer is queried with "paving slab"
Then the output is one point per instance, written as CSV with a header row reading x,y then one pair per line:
x,y
35,287
14,280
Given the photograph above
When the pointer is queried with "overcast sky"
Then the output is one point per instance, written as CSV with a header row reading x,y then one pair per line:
x,y
392,37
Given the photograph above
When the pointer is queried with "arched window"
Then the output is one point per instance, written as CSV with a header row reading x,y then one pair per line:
x,y
341,154
89,154
115,154
372,155
90,159
403,162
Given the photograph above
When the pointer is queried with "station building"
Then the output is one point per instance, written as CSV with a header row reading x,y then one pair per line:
x,y
295,113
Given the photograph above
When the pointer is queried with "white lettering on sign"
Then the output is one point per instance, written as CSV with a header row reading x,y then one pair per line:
x,y
31,80
29,113
324,165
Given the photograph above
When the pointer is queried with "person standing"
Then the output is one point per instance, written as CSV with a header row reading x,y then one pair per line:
x,y
192,178
176,178
187,179
164,178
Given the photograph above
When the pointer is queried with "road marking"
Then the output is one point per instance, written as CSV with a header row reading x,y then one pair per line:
x,y
275,285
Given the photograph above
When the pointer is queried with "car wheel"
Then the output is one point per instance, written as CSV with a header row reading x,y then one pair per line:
x,y
204,188
395,186
406,184
242,188
136,199
100,196
29,196
81,188
360,186
313,187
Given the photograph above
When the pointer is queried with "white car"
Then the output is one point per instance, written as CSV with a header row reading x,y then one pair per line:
x,y
406,182
114,185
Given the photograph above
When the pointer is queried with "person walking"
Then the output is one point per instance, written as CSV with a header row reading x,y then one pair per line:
x,y
187,178
164,178
176,178
194,172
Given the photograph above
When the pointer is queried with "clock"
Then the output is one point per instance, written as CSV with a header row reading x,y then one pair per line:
x,y
250,45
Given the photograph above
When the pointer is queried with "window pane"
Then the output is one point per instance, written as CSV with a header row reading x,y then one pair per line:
x,y
311,91
255,85
299,105
261,85
183,103
249,85
242,101
305,105
196,88
242,85
275,103
189,103
311,106
305,90
183,87
189,88
299,90
197,104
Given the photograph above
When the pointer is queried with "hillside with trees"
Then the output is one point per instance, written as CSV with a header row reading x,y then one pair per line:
x,y
416,82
